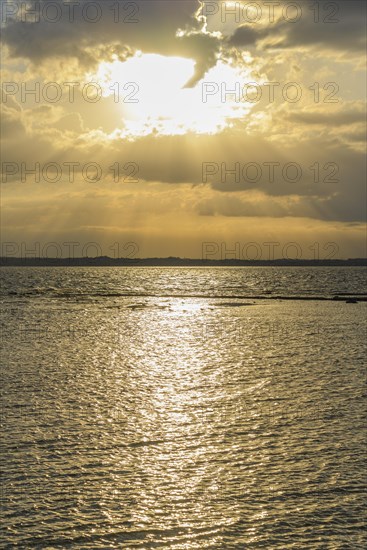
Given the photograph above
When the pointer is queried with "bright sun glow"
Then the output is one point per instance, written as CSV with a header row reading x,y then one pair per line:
x,y
151,90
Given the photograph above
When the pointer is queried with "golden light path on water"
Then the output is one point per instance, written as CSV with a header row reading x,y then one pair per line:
x,y
185,472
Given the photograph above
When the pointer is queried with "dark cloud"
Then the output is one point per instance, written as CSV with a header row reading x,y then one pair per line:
x,y
342,118
167,28
339,25
329,209
246,35
348,33
208,46
336,195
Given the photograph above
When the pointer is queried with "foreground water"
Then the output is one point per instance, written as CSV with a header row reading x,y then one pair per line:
x,y
174,408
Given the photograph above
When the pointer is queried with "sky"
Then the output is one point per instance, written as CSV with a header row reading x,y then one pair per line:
x,y
219,129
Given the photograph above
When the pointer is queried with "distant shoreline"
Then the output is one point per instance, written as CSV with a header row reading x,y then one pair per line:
x,y
105,261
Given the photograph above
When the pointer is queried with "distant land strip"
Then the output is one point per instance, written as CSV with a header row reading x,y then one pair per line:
x,y
105,261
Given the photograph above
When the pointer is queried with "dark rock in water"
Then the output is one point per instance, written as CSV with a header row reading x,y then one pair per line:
x,y
351,301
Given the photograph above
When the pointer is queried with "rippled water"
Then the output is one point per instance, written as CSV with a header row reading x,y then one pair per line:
x,y
173,408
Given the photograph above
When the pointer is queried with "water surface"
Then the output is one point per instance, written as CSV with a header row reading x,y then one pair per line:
x,y
171,408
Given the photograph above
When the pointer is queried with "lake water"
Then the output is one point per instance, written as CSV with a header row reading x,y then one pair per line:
x,y
183,408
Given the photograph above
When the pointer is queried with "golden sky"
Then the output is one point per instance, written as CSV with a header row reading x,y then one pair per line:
x,y
173,123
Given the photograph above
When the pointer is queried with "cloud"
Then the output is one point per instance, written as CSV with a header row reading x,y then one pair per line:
x,y
324,178
250,205
203,47
12,125
171,195
246,35
164,220
71,122
151,27
339,26
342,118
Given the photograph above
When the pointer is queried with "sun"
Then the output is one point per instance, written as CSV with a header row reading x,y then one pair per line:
x,y
151,92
